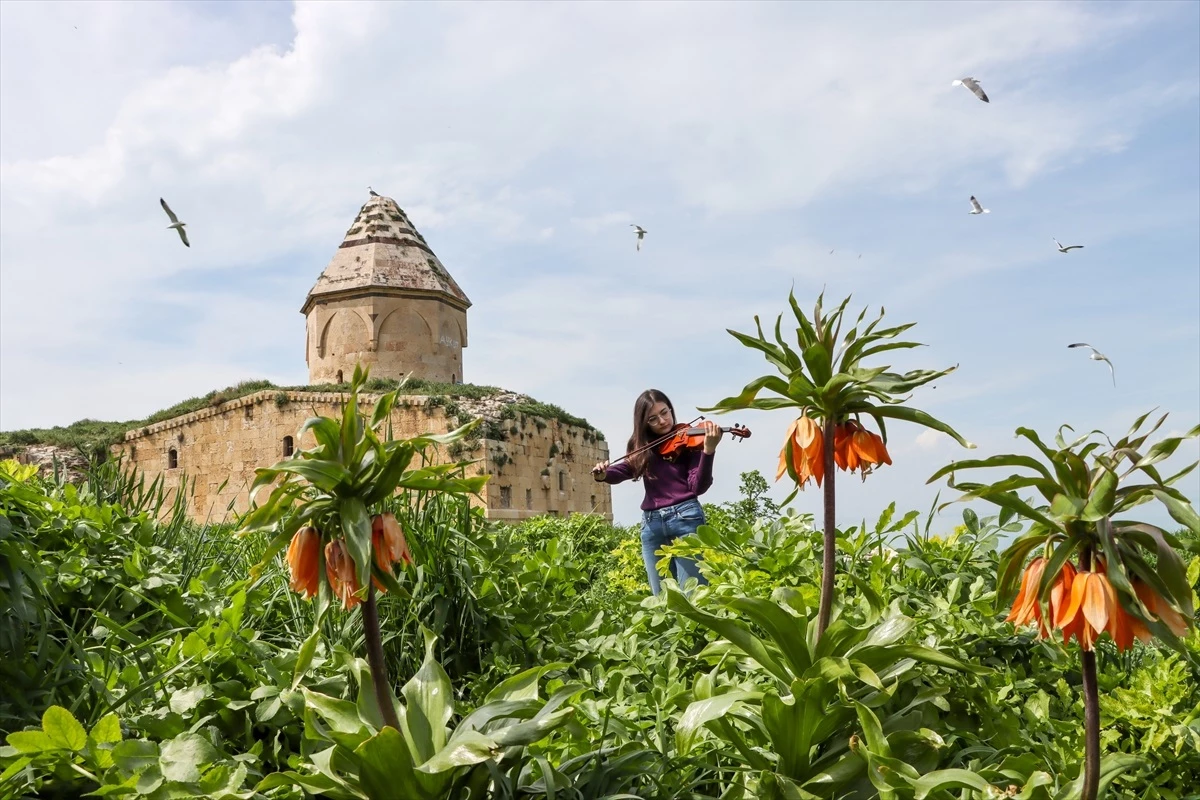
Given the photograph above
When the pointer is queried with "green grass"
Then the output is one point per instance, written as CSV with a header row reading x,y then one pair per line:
x,y
95,436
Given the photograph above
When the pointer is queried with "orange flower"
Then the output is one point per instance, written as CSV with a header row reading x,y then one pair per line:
x,y
1093,609
856,448
303,558
1159,607
803,451
339,569
395,546
1025,608
388,546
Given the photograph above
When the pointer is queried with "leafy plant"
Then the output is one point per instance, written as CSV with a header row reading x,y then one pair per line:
x,y
1130,582
828,381
321,506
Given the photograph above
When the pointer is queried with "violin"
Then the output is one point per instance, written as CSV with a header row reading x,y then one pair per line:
x,y
684,436
691,437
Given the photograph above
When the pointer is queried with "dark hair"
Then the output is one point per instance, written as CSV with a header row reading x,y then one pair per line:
x,y
642,434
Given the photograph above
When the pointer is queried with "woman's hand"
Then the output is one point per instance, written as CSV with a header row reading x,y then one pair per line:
x,y
599,470
712,435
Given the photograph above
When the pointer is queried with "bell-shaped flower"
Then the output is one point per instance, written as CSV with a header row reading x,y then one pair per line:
x,y
303,559
340,571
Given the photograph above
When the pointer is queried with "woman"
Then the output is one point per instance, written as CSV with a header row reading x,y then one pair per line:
x,y
671,508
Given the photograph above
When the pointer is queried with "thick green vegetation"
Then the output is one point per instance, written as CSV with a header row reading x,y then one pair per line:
x,y
142,660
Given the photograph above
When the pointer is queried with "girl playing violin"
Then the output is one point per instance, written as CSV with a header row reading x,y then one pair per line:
x,y
671,508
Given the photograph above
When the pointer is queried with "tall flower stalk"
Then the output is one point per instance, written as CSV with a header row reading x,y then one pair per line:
x,y
319,509
1094,574
825,377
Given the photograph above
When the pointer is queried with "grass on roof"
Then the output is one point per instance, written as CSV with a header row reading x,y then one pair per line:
x,y
96,436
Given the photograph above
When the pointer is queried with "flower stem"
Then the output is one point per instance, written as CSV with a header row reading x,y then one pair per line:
x,y
1091,710
1091,727
830,534
379,675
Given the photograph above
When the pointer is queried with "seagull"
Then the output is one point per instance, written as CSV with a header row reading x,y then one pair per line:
x,y
1098,356
1062,249
641,234
831,251
974,86
978,209
175,223
373,192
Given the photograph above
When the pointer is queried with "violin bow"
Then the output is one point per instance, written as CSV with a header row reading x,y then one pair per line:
x,y
654,443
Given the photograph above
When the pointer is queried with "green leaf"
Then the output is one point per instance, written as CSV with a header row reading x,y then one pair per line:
x,y
1111,766
135,755
1103,496
702,712
787,631
994,461
63,729
356,525
387,770
429,704
1181,511
182,757
31,741
340,715
523,685
733,631
470,748
107,730
750,392
325,475
918,417
949,779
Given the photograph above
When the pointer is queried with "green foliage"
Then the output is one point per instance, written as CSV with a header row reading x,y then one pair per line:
x,y
141,629
550,411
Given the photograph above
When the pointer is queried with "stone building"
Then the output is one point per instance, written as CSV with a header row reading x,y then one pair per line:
x,y
386,301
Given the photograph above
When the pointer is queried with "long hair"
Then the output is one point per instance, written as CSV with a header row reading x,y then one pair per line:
x,y
641,429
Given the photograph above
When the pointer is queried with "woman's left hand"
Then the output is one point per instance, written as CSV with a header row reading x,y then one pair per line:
x,y
712,435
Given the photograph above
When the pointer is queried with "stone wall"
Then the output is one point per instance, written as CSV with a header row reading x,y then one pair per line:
x,y
393,335
544,467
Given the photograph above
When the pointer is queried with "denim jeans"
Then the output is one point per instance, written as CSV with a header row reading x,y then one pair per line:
x,y
661,527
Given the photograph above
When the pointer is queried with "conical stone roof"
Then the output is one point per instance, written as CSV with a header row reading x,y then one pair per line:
x,y
383,250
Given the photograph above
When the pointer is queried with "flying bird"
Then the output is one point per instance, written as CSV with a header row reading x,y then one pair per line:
x,y
641,234
978,209
831,251
1062,249
1098,356
974,86
175,223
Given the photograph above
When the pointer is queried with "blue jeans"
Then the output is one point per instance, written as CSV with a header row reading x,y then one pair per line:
x,y
661,527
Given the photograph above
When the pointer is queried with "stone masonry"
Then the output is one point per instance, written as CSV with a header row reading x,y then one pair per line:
x,y
386,301
536,465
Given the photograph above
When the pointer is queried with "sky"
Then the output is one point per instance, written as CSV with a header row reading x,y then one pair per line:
x,y
523,139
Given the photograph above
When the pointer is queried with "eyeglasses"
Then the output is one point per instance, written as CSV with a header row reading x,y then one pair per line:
x,y
663,417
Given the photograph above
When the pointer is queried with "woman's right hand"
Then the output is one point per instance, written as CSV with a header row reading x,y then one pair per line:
x,y
599,470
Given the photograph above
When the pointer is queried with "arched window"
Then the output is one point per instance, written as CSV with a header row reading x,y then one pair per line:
x,y
562,481
287,446
340,379
453,378
172,459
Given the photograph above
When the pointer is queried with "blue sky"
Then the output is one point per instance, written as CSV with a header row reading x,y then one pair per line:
x,y
523,139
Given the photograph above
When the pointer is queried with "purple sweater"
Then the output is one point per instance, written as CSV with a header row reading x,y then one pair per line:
x,y
668,483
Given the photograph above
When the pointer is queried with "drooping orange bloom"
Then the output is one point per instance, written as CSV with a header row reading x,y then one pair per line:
x,y
303,558
395,546
803,450
388,546
1157,606
1025,608
339,569
856,448
1093,609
